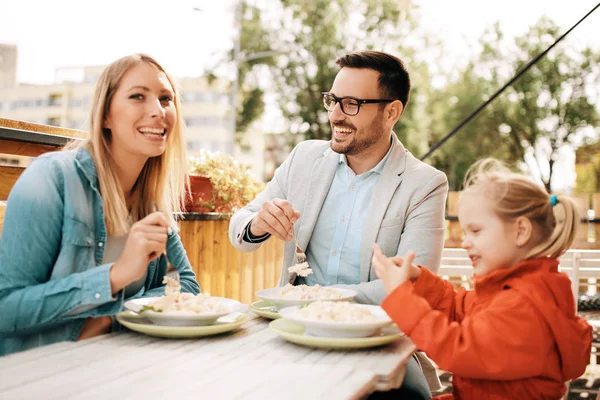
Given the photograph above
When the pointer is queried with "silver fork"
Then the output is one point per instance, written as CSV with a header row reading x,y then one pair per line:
x,y
300,257
172,271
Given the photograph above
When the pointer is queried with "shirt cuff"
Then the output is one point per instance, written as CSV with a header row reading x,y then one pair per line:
x,y
250,238
96,289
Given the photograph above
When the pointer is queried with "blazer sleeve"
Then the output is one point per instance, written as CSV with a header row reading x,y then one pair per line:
x,y
425,224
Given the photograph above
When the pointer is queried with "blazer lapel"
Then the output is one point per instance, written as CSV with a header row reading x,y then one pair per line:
x,y
321,176
390,179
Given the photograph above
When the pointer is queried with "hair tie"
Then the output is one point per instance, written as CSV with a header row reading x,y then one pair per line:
x,y
553,200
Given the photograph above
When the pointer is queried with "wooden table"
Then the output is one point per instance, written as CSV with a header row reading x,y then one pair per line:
x,y
251,363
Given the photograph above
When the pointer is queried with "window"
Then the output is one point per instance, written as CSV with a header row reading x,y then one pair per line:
x,y
205,97
55,100
54,121
207,121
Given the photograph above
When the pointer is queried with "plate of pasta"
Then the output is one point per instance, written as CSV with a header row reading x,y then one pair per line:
x,y
338,319
291,295
182,309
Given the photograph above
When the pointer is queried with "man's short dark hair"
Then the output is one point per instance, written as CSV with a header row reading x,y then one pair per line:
x,y
394,81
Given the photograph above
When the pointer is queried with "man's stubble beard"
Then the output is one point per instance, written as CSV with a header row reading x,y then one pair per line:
x,y
356,146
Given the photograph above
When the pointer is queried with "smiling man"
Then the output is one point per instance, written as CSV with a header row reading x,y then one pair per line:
x,y
362,187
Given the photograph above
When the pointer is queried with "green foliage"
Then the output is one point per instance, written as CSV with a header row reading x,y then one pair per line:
x,y
234,185
254,38
480,138
544,110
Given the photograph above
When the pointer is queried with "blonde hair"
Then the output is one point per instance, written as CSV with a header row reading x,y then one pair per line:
x,y
163,180
513,195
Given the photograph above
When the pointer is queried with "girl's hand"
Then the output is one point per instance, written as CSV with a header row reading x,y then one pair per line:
x,y
394,271
147,240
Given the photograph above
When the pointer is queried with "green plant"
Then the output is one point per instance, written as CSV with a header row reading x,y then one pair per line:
x,y
233,184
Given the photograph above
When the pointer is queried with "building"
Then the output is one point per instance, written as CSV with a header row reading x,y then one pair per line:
x,y
8,66
66,103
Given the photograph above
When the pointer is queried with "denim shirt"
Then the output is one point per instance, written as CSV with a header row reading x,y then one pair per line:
x,y
51,247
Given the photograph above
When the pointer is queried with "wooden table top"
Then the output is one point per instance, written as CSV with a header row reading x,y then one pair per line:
x,y
250,363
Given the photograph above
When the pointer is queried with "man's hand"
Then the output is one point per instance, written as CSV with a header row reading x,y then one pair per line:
x,y
276,217
394,271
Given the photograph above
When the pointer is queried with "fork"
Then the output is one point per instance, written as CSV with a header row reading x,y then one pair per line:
x,y
300,258
172,271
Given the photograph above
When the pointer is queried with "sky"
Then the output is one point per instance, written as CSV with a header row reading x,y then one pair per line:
x,y
190,36
67,33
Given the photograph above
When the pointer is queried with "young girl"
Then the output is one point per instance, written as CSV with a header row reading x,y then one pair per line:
x,y
516,335
79,233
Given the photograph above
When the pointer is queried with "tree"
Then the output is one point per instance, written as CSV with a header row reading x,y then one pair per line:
x,y
481,137
548,107
314,33
254,39
544,110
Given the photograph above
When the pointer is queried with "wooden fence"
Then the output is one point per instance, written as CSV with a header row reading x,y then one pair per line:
x,y
221,269
588,233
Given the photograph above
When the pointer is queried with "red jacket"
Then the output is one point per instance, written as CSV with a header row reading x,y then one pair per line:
x,y
516,336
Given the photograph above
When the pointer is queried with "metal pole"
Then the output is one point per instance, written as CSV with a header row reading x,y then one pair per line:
x,y
230,142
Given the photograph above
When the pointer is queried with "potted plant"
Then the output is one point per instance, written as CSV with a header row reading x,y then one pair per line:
x,y
219,183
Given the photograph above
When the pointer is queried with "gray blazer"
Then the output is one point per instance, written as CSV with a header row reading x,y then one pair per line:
x,y
406,211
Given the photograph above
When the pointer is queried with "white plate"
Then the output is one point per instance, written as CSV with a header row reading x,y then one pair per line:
x,y
273,296
295,333
337,329
181,318
141,324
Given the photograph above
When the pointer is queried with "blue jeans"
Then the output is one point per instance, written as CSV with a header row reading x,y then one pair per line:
x,y
414,386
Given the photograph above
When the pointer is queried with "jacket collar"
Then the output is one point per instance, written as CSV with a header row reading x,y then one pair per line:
x,y
497,280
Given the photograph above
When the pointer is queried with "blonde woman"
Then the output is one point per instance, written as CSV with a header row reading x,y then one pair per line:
x,y
516,335
80,232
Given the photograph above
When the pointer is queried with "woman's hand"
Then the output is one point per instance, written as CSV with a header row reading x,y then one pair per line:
x,y
95,327
394,271
147,239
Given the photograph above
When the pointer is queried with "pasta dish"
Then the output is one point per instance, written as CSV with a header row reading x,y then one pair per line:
x,y
335,311
174,301
304,292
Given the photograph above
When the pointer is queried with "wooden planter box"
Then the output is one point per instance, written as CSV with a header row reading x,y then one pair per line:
x,y
221,269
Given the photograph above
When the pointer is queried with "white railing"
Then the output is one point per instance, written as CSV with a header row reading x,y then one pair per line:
x,y
582,266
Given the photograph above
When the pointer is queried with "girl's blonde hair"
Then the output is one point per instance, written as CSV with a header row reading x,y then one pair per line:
x,y
513,195
163,179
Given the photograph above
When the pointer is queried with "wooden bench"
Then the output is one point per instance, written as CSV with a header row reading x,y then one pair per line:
x,y
583,266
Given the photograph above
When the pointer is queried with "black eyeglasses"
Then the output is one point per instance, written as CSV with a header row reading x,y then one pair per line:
x,y
349,105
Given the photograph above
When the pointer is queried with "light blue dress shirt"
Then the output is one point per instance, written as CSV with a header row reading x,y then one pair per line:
x,y
333,252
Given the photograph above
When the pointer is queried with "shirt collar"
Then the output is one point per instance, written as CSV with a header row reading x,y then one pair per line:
x,y
378,168
86,163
